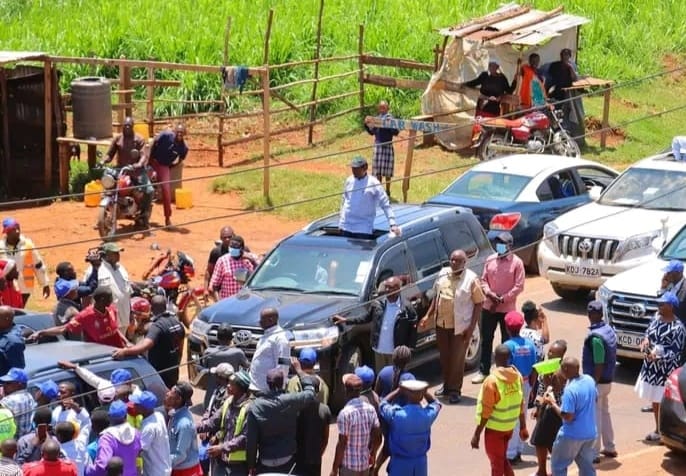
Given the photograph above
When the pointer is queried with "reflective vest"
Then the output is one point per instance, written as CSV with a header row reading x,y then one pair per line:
x,y
8,427
506,411
28,272
238,456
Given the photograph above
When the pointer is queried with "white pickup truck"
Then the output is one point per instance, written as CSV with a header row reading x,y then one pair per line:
x,y
630,298
623,228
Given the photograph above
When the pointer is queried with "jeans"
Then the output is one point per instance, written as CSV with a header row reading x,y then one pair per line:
x,y
603,420
516,445
146,187
163,177
566,450
452,350
496,448
489,322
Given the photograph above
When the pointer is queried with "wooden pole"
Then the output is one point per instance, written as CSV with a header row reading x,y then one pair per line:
x,y
266,103
120,112
6,156
150,103
317,53
222,106
606,118
127,96
408,163
360,52
47,106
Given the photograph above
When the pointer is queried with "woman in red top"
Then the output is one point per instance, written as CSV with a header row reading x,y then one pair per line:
x,y
98,322
9,293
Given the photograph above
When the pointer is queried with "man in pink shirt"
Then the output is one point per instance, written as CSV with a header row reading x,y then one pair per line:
x,y
502,281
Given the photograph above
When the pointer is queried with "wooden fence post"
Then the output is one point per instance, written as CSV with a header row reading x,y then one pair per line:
x,y
360,52
408,163
150,103
266,105
47,106
317,52
606,118
222,106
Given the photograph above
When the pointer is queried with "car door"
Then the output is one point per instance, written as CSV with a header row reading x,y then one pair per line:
x,y
592,176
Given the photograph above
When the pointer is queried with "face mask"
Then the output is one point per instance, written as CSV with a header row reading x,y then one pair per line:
x,y
501,248
235,252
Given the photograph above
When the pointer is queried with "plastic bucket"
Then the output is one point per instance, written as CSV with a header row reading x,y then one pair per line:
x,y
92,192
184,198
548,366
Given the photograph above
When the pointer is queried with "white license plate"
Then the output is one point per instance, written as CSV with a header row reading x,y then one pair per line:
x,y
627,339
588,270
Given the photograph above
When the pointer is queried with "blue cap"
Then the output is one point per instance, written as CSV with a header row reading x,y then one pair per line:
x,y
120,376
308,354
358,161
145,399
366,374
15,375
48,389
117,410
64,287
669,298
674,266
594,306
8,224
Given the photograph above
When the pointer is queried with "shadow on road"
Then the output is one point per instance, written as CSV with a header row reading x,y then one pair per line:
x,y
674,463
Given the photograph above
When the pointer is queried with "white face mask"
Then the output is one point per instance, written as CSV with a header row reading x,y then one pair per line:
x,y
501,248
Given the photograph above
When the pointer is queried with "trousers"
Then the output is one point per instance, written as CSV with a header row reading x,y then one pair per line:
x,y
489,322
496,449
407,466
452,350
163,176
606,434
567,450
516,445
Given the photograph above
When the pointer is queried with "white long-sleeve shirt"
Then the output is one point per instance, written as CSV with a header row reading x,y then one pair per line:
x,y
118,282
272,351
155,446
360,199
33,265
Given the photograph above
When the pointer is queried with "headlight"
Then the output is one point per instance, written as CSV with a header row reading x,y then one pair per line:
x,y
603,295
317,337
550,234
634,243
107,181
200,328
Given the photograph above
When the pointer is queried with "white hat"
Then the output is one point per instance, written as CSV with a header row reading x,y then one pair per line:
x,y
224,370
414,385
106,391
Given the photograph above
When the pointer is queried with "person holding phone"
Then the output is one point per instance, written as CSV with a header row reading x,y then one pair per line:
x,y
231,270
29,445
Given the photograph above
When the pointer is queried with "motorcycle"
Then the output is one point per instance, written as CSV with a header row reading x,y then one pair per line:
x,y
170,277
537,132
120,198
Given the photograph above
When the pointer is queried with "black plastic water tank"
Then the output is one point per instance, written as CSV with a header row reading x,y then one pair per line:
x,y
91,99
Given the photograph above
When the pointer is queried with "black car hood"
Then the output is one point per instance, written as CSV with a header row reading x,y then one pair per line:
x,y
295,310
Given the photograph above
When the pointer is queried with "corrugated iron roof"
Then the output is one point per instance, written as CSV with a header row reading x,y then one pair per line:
x,y
515,24
16,56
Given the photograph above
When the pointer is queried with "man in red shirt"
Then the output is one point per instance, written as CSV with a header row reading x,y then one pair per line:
x,y
9,293
51,464
98,322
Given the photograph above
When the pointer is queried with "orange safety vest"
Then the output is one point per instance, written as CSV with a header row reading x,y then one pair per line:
x,y
28,272
528,74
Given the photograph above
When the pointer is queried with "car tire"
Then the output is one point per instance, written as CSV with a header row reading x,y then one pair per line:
x,y
473,356
351,357
570,294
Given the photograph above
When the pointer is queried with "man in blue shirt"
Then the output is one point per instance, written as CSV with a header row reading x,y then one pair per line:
x,y
183,439
522,357
362,193
575,439
169,149
409,428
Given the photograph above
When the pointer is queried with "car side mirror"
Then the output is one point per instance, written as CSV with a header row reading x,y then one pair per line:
x,y
594,192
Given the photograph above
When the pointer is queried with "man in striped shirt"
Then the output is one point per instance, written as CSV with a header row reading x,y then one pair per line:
x,y
359,433
231,270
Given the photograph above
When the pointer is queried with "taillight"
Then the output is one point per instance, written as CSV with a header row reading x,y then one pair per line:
x,y
672,391
505,221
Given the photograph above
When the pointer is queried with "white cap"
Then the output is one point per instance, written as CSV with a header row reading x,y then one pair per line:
x,y
106,391
414,385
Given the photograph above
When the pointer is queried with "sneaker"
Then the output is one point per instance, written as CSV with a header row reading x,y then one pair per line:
x,y
653,436
479,378
516,460
439,392
454,398
609,454
647,409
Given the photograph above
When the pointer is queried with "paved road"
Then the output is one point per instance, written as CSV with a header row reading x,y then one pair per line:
x,y
451,454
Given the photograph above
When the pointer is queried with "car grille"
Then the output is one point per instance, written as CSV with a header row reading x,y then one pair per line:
x,y
247,346
595,249
631,313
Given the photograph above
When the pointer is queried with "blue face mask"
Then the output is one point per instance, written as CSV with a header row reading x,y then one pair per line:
x,y
235,252
501,248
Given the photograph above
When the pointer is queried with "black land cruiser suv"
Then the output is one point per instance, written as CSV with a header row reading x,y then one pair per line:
x,y
316,273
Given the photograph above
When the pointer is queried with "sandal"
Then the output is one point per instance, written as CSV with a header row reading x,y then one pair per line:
x,y
653,436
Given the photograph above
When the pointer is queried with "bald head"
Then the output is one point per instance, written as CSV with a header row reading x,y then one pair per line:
x,y
9,448
6,317
557,349
458,260
502,356
382,107
570,367
51,450
158,305
392,287
225,235
269,317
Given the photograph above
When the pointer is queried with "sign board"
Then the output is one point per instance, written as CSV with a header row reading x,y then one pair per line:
x,y
427,127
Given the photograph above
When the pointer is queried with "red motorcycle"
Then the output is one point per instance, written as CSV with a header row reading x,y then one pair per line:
x,y
538,132
170,276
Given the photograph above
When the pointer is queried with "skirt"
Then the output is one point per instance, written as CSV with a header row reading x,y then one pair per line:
x,y
547,426
652,393
383,161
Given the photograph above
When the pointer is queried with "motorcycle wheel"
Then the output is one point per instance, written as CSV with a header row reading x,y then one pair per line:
x,y
107,221
485,151
192,309
568,147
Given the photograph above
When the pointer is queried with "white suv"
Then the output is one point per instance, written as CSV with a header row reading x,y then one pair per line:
x,y
623,228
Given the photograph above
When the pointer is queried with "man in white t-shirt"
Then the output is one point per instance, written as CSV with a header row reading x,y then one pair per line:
x,y
113,275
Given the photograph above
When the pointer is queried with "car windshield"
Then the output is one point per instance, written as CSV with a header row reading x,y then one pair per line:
x,y
314,270
675,249
648,188
490,185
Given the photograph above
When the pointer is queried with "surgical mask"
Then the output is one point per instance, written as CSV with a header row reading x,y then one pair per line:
x,y
501,248
235,252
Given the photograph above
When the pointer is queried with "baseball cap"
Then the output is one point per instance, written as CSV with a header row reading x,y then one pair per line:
x,y
65,286
366,374
117,410
106,391
185,391
514,320
308,354
352,381
111,248
48,389
8,224
505,237
15,375
414,385
668,297
120,376
674,266
595,306
224,370
358,161
242,379
144,399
